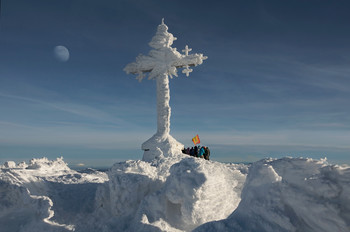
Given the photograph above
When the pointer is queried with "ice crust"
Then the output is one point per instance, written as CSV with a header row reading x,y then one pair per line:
x,y
176,193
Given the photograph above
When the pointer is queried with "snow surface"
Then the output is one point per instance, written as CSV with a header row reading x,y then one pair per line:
x,y
291,195
176,193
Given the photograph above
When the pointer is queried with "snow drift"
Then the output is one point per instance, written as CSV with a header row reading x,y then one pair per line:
x,y
291,195
176,193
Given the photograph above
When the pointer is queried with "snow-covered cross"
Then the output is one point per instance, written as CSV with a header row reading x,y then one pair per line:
x,y
163,61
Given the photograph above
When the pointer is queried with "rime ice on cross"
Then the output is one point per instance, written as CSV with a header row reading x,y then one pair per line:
x,y
161,62
187,70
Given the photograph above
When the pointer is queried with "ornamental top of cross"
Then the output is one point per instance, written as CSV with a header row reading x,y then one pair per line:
x,y
163,59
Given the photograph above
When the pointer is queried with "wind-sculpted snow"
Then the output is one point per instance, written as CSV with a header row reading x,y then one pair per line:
x,y
44,195
176,193
291,195
173,192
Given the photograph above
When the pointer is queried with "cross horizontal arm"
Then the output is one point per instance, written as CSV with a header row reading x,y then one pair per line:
x,y
150,70
141,65
145,64
140,70
190,60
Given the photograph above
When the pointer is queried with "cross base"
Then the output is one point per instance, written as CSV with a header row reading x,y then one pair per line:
x,y
161,145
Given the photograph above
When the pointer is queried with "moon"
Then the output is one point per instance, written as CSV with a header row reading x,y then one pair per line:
x,y
61,53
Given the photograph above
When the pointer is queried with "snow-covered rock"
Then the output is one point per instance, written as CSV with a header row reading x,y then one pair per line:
x,y
22,165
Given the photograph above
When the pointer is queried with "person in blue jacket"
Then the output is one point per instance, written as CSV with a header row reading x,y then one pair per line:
x,y
201,152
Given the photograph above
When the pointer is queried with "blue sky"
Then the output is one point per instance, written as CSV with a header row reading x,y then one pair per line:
x,y
276,83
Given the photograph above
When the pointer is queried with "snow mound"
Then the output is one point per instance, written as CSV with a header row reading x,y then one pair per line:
x,y
152,195
160,146
291,195
195,192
